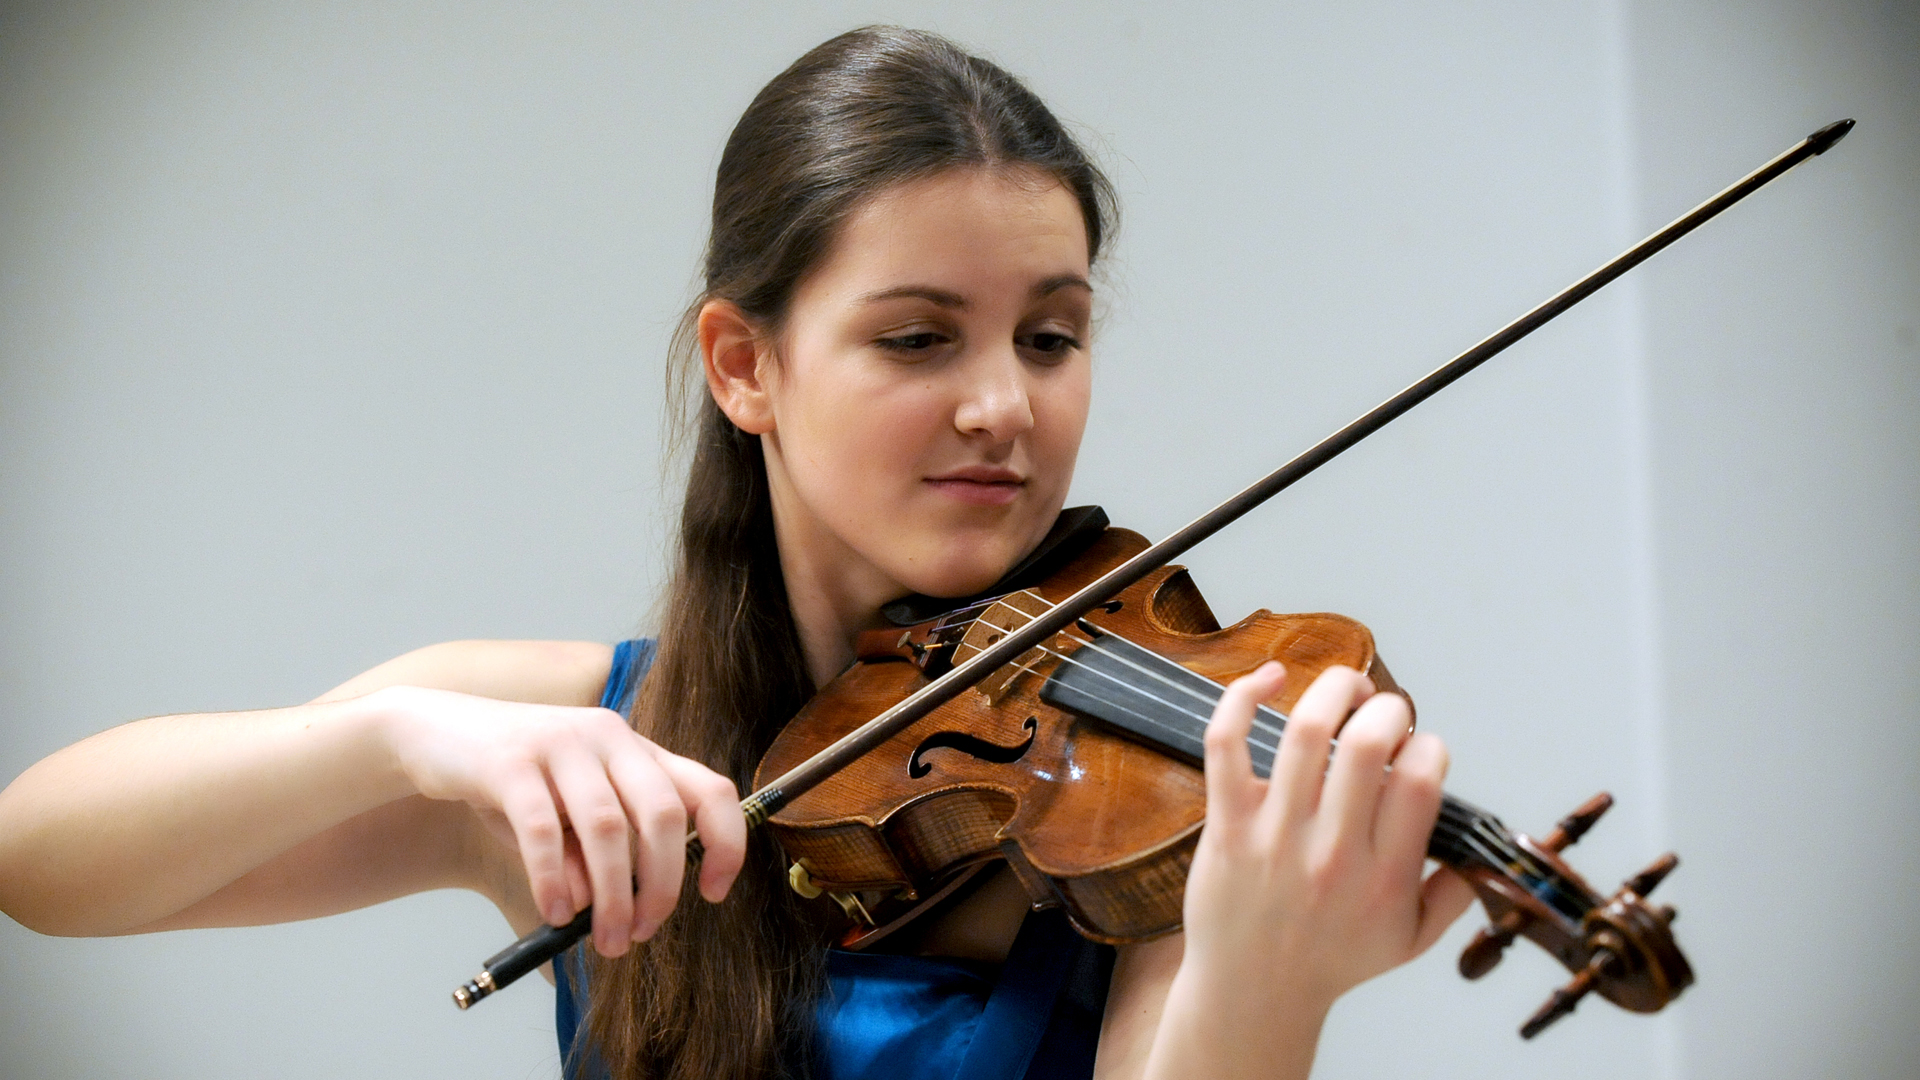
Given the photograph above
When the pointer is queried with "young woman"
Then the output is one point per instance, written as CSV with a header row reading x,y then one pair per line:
x,y
892,369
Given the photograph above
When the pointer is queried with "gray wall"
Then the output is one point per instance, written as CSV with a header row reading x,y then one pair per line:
x,y
329,331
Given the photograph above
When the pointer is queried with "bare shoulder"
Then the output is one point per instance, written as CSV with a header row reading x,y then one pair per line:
x,y
541,672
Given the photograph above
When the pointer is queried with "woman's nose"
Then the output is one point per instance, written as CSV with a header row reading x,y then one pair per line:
x,y
994,399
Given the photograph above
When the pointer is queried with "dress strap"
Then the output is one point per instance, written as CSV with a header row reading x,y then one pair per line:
x,y
631,659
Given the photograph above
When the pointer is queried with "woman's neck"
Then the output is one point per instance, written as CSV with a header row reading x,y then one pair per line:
x,y
829,612
832,592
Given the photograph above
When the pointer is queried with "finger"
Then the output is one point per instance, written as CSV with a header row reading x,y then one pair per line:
x,y
1443,898
527,803
1233,792
573,862
1358,770
714,804
600,825
1410,803
579,886
1301,763
654,806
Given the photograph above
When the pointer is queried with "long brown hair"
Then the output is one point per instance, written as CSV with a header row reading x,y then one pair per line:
x,y
727,990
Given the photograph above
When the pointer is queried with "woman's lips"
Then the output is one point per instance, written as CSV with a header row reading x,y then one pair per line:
x,y
979,486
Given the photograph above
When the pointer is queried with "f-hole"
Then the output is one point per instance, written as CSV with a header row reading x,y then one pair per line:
x,y
973,747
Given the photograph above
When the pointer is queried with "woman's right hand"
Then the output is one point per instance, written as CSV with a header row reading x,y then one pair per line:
x,y
597,812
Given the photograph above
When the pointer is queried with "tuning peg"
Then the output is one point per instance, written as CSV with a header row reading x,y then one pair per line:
x,y
1575,825
1564,999
1483,953
1643,882
1667,913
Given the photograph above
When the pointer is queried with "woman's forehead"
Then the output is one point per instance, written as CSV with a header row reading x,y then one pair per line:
x,y
960,232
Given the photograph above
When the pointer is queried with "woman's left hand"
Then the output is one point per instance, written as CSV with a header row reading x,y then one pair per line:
x,y
1307,884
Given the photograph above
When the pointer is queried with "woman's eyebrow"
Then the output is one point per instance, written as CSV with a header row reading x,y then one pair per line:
x,y
917,292
948,299
1062,281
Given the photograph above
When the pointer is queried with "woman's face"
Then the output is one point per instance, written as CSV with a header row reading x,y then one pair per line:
x,y
931,387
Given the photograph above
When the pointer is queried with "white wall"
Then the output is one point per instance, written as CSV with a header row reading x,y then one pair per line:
x,y
328,332
1783,355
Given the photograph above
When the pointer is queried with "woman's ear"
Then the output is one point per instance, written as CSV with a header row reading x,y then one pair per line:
x,y
738,363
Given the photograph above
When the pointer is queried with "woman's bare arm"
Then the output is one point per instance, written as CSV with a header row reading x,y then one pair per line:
x,y
239,818
538,672
1142,975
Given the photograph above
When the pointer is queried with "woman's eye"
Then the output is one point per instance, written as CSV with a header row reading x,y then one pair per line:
x,y
1052,345
911,343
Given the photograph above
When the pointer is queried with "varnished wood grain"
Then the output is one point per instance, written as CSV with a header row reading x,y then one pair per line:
x,y
1092,820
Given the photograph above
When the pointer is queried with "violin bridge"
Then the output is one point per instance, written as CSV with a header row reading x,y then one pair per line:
x,y
1005,615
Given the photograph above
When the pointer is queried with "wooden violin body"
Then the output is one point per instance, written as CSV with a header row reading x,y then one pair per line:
x,y
1079,765
1091,820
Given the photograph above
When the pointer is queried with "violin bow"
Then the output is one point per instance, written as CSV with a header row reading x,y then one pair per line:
x,y
549,941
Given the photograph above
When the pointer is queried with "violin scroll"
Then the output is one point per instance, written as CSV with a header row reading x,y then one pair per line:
x,y
1620,946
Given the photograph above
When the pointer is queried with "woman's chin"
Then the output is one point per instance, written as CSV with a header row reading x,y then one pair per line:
x,y
966,561
963,573
952,584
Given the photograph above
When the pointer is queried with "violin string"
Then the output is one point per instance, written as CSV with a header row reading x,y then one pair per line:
x,y
1502,843
1499,851
1209,701
1199,720
1496,852
1183,688
1505,853
1517,855
1093,644
1494,848
944,623
1477,834
1067,658
1500,858
946,619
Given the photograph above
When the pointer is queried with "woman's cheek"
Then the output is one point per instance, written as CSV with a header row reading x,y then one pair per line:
x,y
895,442
1059,431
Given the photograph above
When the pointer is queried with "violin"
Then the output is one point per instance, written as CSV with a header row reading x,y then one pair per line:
x,y
1057,724
1078,764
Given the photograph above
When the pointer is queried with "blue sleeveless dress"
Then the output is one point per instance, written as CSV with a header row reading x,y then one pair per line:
x,y
885,1017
